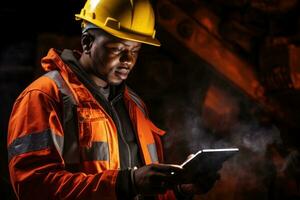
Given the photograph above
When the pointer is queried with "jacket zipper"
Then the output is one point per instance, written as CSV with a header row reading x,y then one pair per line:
x,y
119,128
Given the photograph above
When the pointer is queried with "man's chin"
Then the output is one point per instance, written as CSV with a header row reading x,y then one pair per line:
x,y
116,82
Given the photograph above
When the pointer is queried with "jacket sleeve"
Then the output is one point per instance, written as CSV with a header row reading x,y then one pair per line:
x,y
170,194
37,169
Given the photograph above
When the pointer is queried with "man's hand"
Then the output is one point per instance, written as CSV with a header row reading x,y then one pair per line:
x,y
200,186
155,178
200,183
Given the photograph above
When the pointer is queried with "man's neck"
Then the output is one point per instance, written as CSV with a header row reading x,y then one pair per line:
x,y
85,63
98,81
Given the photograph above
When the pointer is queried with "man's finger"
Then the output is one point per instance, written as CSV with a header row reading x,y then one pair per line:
x,y
168,168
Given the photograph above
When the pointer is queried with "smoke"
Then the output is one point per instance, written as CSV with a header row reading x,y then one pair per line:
x,y
185,132
252,136
185,127
251,174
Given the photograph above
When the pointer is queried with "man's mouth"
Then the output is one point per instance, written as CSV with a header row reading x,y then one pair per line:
x,y
122,73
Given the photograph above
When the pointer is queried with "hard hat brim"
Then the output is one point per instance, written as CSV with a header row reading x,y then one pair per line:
x,y
124,34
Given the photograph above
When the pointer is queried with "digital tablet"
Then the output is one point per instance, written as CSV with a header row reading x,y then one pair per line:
x,y
205,161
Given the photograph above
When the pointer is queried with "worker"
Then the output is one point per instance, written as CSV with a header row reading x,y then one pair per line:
x,y
78,132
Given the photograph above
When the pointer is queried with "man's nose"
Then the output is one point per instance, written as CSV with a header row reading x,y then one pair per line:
x,y
127,58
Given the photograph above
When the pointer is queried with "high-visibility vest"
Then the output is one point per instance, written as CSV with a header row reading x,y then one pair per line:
x,y
92,119
62,143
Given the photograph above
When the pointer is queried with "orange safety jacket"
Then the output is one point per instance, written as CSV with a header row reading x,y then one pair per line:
x,y
63,145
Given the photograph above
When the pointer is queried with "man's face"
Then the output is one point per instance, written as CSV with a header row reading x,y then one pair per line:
x,y
113,58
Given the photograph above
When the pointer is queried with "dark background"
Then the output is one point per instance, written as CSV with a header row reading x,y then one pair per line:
x,y
184,83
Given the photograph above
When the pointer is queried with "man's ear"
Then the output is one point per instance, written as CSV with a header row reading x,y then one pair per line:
x,y
86,42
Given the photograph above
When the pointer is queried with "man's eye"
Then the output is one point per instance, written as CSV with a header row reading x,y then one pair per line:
x,y
116,50
135,52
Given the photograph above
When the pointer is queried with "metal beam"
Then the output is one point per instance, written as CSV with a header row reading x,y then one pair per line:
x,y
209,48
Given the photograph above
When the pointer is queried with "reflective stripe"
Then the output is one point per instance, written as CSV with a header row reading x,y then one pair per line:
x,y
58,141
55,75
98,151
34,142
152,152
137,101
70,148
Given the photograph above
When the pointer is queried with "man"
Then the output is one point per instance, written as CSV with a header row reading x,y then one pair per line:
x,y
79,132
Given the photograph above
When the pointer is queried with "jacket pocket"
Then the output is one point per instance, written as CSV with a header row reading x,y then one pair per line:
x,y
92,126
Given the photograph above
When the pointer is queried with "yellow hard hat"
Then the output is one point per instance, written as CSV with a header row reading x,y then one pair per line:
x,y
127,19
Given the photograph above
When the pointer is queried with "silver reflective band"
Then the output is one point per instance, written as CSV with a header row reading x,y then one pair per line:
x,y
98,151
152,152
57,78
58,142
137,101
35,142
70,151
